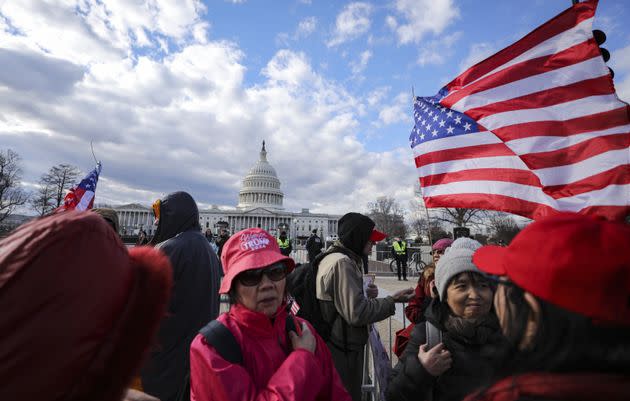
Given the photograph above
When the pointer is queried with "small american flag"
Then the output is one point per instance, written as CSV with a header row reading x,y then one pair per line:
x,y
81,197
533,129
295,308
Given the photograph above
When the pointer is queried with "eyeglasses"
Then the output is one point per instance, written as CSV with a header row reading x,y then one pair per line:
x,y
156,209
250,278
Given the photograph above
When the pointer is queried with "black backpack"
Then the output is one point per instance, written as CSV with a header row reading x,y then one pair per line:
x,y
301,284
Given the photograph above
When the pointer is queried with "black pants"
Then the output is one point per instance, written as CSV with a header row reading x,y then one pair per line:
x,y
401,262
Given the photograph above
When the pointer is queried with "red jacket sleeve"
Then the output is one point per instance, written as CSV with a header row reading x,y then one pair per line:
x,y
414,311
212,378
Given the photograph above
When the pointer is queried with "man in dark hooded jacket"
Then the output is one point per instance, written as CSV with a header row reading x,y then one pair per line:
x,y
339,289
194,299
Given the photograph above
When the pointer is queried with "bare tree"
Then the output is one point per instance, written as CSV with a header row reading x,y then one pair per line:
x,y
461,217
59,179
11,193
503,226
42,200
388,215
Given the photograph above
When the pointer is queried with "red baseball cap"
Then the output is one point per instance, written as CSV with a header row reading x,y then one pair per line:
x,y
377,236
580,263
249,249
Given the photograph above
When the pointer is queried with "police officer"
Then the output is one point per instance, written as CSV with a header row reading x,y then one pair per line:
x,y
314,245
399,251
285,244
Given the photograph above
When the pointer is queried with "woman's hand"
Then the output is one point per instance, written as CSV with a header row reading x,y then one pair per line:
x,y
437,360
306,341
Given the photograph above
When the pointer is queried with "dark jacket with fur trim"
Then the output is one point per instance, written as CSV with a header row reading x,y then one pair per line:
x,y
194,298
471,365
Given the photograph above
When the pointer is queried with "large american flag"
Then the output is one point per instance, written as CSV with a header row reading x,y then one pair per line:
x,y
81,197
535,128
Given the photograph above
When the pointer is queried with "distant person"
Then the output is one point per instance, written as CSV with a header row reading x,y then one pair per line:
x,y
210,239
400,253
314,245
278,356
285,244
342,299
223,237
143,239
439,247
563,303
79,310
195,294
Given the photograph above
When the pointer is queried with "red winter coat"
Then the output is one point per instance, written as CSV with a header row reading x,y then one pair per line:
x,y
557,387
270,370
415,309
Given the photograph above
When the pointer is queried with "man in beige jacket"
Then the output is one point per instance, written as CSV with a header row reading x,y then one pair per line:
x,y
343,302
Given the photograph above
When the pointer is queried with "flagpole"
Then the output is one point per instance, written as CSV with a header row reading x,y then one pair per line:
x,y
93,155
426,209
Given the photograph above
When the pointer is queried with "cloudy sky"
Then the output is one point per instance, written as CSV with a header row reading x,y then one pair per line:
x,y
179,94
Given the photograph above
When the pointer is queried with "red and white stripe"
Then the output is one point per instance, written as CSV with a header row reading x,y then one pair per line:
x,y
554,135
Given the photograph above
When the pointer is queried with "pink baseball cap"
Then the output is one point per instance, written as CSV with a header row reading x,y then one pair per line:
x,y
249,249
442,244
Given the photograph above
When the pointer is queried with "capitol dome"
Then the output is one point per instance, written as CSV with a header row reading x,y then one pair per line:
x,y
261,186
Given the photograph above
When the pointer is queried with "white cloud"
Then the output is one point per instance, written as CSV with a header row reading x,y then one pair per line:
x,y
375,97
391,22
185,120
306,27
439,50
359,65
477,53
620,63
352,22
95,31
421,17
398,111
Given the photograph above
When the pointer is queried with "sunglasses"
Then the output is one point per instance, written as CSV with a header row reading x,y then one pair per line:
x,y
250,278
156,209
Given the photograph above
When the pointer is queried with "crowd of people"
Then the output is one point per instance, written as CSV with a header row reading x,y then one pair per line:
x,y
546,317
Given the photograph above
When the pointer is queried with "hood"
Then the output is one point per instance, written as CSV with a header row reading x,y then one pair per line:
x,y
178,213
110,216
81,310
354,231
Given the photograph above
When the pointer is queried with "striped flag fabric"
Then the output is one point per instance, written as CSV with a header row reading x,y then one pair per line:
x,y
295,307
535,128
81,197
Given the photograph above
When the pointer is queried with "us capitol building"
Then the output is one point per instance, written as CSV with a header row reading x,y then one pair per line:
x,y
259,205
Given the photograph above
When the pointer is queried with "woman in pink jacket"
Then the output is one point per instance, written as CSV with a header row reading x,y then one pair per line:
x,y
278,356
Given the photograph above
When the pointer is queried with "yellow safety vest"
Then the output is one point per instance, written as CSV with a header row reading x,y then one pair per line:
x,y
283,245
400,247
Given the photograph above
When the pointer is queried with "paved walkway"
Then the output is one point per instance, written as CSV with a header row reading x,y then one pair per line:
x,y
387,328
